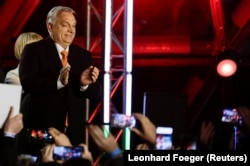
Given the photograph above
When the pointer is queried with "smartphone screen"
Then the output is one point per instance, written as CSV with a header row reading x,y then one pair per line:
x,y
39,136
66,153
231,116
164,138
122,121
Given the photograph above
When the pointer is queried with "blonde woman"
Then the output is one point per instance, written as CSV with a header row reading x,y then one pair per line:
x,y
12,77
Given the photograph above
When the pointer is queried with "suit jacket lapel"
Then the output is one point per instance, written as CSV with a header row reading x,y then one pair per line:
x,y
71,52
53,54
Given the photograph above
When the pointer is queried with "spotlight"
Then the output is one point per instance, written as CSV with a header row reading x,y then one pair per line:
x,y
226,68
227,65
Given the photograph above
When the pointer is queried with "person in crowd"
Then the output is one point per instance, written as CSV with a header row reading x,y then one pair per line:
x,y
8,147
12,76
113,153
234,134
57,76
26,160
60,139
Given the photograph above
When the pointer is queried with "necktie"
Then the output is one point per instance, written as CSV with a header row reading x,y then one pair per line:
x,y
64,60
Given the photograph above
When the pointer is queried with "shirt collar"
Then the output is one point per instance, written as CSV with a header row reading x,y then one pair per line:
x,y
60,48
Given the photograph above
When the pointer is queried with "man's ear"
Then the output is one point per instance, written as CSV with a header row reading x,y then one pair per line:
x,y
49,27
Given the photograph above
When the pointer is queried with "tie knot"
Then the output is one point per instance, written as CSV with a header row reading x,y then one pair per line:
x,y
64,53
64,57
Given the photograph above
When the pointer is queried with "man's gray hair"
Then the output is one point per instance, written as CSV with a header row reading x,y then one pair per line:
x,y
51,16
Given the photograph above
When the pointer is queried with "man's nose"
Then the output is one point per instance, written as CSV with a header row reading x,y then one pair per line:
x,y
72,29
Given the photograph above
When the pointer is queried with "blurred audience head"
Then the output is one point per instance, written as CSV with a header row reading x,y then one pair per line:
x,y
26,160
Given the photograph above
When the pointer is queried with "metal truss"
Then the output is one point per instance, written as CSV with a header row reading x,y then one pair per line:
x,y
114,75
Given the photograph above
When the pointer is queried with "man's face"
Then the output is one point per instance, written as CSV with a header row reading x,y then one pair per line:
x,y
64,28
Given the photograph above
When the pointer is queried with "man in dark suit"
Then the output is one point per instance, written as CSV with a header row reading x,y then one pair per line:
x,y
54,90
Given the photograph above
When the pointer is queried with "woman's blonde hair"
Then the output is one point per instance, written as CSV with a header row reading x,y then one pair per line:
x,y
22,40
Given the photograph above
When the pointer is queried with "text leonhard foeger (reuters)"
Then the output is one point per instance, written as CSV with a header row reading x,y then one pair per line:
x,y
187,158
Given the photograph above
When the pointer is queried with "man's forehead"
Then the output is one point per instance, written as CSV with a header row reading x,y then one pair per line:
x,y
67,16
66,19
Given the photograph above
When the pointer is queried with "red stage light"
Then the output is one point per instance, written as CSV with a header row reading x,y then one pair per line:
x,y
226,68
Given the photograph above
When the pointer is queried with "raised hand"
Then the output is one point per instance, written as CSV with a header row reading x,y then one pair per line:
x,y
148,132
47,153
13,123
106,144
60,138
89,76
64,74
86,153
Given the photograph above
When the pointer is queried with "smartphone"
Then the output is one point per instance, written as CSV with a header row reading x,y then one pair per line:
x,y
66,153
39,136
231,116
122,121
164,138
188,142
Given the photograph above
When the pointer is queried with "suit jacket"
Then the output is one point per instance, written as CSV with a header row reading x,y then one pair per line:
x,y
8,150
43,105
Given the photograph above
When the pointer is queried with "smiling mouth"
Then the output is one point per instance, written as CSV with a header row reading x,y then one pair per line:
x,y
69,36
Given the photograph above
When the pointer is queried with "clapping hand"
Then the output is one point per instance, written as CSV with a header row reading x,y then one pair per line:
x,y
89,76
64,74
